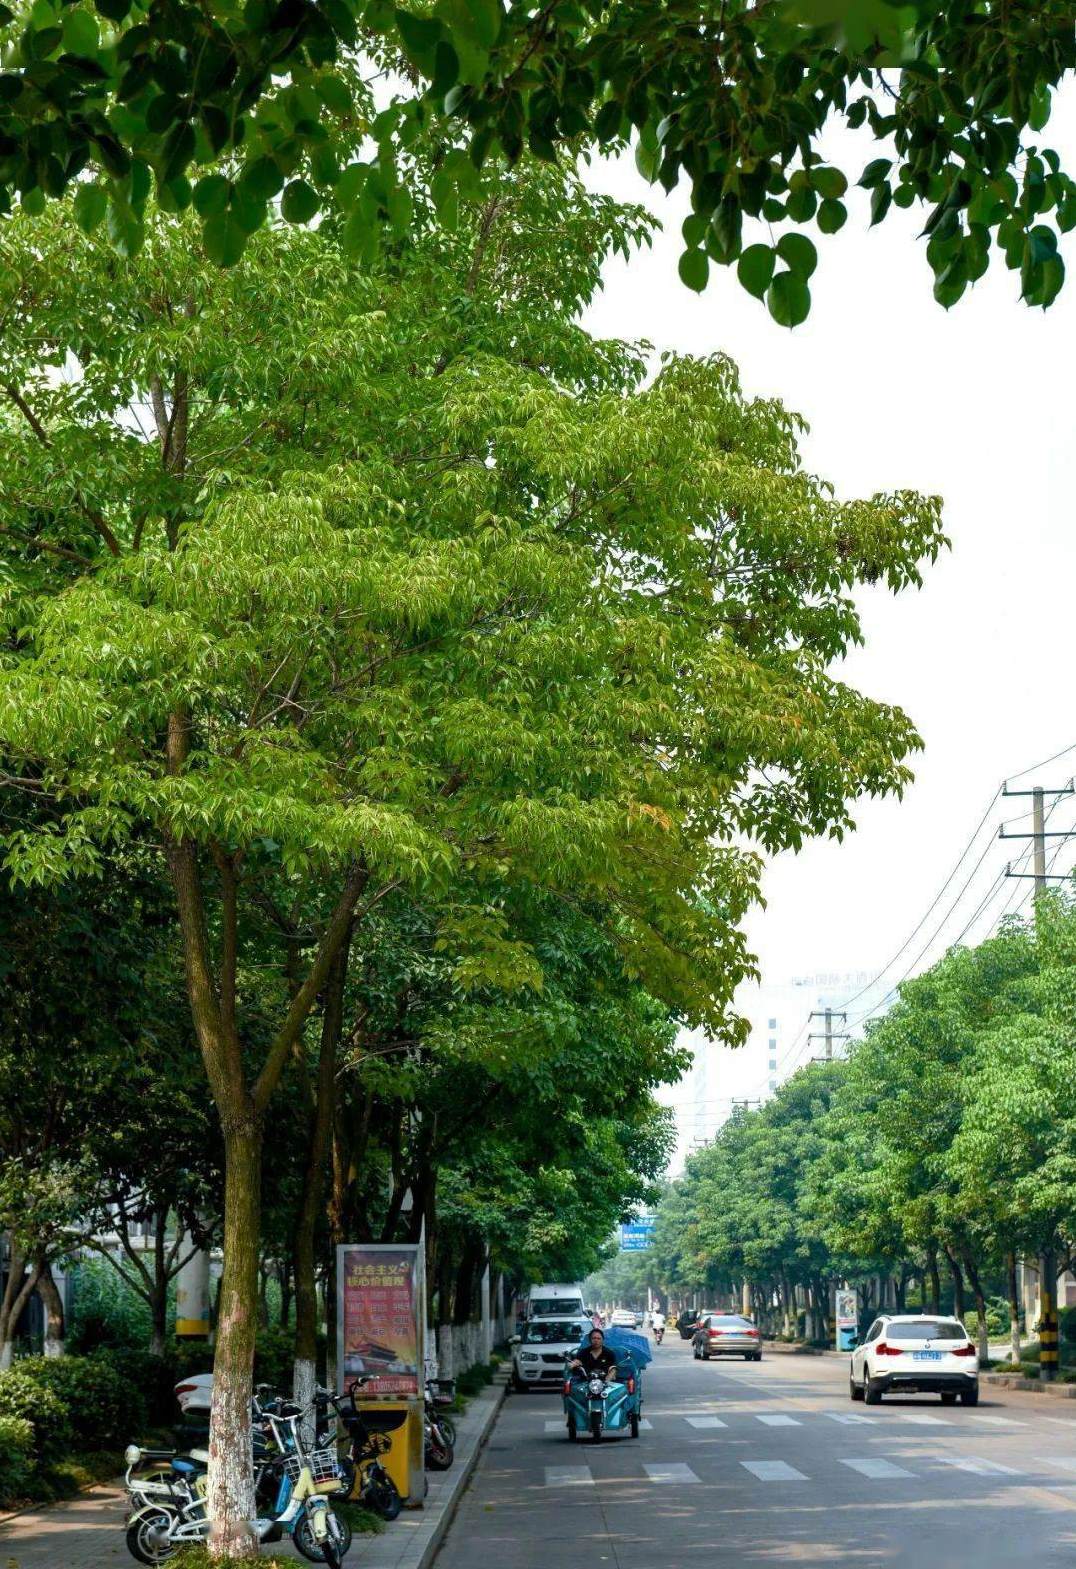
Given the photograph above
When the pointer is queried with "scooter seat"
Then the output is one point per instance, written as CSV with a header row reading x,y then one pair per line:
x,y
201,1455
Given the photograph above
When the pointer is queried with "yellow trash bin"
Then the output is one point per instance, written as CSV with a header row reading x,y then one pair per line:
x,y
398,1421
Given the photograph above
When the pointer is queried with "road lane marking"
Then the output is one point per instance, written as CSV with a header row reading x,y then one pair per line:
x,y
778,1421
773,1471
924,1421
556,1427
705,1421
876,1468
1061,1421
670,1473
849,1417
996,1421
568,1476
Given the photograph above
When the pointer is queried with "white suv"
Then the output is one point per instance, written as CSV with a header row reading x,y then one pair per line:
x,y
915,1352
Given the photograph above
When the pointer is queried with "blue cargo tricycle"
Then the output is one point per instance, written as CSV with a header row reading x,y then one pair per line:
x,y
593,1406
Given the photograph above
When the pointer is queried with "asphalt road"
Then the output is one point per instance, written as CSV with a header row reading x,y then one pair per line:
x,y
770,1463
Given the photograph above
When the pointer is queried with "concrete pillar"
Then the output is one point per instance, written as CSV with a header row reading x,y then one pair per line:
x,y
192,1296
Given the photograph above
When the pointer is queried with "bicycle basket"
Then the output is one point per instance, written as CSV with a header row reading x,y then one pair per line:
x,y
322,1462
444,1391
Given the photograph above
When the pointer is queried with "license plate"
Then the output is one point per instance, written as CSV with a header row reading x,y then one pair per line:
x,y
926,1356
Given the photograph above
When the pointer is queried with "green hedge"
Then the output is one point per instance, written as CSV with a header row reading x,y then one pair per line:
x,y
105,1409
16,1459
22,1396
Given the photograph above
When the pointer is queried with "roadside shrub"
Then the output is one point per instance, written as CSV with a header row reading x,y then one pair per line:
x,y
154,1377
1067,1324
23,1397
104,1410
16,1459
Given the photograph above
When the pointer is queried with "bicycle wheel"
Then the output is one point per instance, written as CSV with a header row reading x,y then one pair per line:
x,y
380,1495
336,1544
448,1428
148,1539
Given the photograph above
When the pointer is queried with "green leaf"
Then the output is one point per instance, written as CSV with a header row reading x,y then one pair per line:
x,y
831,216
830,183
648,161
1039,111
799,253
211,195
90,205
755,269
124,227
789,299
693,229
420,36
359,237
300,202
694,269
881,197
875,172
80,33
224,239
33,202
262,179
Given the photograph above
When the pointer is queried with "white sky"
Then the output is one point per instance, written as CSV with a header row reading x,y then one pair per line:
x,y
975,405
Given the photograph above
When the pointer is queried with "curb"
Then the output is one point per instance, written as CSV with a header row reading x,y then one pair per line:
x,y
439,1528
1033,1386
787,1348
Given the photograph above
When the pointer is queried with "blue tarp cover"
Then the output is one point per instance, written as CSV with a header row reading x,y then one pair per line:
x,y
619,1340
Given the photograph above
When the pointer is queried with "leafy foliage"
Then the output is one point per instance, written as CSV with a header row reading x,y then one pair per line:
x,y
731,99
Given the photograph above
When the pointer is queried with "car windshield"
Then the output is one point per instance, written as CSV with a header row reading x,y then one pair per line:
x,y
925,1329
555,1331
544,1307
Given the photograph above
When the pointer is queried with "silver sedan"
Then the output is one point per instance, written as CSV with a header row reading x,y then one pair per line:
x,y
726,1335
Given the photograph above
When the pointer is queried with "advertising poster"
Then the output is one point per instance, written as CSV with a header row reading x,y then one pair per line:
x,y
381,1318
847,1309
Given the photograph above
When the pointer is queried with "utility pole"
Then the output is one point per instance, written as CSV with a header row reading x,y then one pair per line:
x,y
1048,1327
828,1015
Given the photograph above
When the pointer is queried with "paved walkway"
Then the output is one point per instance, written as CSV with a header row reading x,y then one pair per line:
x,y
87,1532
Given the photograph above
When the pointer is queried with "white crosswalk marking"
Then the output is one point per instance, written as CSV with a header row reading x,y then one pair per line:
x,y
976,1466
777,1421
568,1476
1066,1462
705,1421
849,1418
645,1425
995,1421
773,1471
876,1468
670,1473
923,1421
555,1427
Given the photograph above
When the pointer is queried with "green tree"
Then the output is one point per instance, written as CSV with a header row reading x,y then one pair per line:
x,y
731,99
410,585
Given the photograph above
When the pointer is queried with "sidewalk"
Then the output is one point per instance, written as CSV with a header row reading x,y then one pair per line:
x,y
87,1532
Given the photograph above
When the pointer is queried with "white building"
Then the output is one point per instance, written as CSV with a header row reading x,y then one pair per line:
x,y
783,1037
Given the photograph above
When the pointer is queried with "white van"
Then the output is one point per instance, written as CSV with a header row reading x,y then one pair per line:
x,y
555,1302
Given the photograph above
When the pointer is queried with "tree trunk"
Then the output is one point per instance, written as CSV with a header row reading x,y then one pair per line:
x,y
935,1282
284,1275
53,1304
980,1309
306,1302
231,1479
901,1283
1014,1308
958,1285
18,1290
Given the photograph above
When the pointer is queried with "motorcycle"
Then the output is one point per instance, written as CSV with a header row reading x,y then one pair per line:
x,y
659,1334
591,1405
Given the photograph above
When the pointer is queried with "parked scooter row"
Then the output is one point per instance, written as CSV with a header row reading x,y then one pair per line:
x,y
294,1481
295,1477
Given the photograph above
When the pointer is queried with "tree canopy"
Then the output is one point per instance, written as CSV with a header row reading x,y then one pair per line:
x,y
242,108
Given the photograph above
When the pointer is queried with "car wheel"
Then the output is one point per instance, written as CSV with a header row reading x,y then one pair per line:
x,y
705,1355
970,1397
749,1356
948,1397
518,1385
872,1395
758,1356
855,1391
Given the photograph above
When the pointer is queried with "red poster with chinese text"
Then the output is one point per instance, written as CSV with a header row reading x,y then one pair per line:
x,y
380,1303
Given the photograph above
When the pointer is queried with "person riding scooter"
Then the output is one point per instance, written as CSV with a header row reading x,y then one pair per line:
x,y
657,1324
594,1358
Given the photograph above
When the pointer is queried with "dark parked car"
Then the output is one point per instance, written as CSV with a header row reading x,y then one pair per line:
x,y
687,1323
